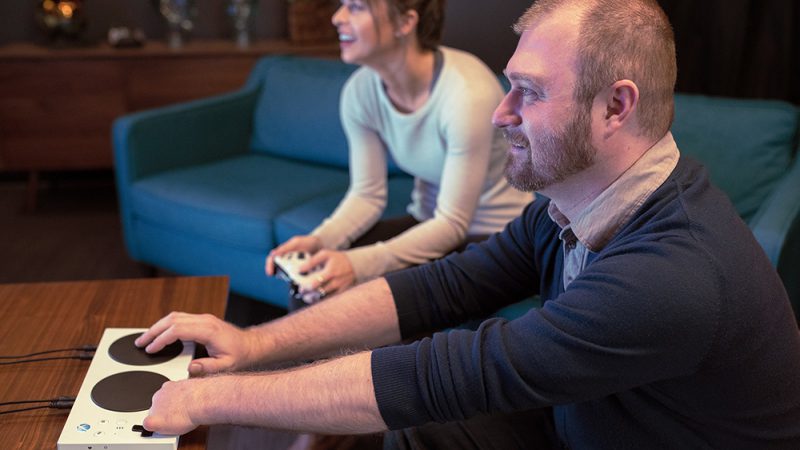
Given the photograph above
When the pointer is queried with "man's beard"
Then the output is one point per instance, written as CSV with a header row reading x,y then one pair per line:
x,y
558,154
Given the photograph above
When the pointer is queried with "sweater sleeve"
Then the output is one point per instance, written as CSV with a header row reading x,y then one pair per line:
x,y
473,283
464,123
631,318
366,197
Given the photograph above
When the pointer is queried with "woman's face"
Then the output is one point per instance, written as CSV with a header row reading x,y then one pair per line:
x,y
364,36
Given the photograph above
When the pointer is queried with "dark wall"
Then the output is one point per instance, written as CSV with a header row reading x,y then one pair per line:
x,y
479,26
737,48
741,48
211,20
483,27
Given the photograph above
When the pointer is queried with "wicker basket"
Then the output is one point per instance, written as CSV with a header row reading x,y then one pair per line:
x,y
310,21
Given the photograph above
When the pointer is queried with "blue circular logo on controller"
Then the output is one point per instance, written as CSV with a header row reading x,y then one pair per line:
x,y
84,427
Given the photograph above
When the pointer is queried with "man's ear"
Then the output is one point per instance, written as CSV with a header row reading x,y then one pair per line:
x,y
621,102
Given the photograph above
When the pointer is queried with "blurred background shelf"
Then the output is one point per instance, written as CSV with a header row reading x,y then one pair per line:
x,y
57,104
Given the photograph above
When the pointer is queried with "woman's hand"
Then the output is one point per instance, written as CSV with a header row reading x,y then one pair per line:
x,y
335,275
308,244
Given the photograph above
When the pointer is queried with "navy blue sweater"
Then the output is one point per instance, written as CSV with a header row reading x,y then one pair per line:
x,y
678,334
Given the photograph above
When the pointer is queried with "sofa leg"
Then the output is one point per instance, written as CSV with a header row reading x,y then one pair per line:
x,y
32,191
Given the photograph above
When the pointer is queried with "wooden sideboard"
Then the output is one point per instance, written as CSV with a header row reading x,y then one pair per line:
x,y
57,105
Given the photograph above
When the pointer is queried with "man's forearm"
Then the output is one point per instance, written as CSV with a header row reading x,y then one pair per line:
x,y
361,318
334,396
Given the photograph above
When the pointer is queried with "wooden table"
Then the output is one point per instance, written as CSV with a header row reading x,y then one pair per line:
x,y
43,316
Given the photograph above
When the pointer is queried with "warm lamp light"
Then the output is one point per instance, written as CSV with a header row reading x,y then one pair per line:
x,y
62,20
66,9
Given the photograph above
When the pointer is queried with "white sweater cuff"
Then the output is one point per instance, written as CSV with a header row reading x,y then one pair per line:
x,y
372,261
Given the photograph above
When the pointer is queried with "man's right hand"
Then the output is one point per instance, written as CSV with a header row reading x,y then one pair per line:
x,y
309,244
229,347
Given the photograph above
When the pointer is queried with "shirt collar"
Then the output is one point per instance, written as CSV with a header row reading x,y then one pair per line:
x,y
606,214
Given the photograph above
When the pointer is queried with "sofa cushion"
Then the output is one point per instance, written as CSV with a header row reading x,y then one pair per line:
x,y
745,164
301,130
307,130
304,218
232,201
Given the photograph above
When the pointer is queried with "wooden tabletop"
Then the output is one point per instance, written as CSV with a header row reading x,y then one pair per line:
x,y
43,316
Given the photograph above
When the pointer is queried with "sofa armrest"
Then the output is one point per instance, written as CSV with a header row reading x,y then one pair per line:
x,y
184,134
179,135
776,226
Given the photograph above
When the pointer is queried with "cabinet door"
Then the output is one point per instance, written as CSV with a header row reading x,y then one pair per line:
x,y
162,81
57,114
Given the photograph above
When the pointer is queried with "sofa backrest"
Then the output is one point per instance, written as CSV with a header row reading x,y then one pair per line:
x,y
747,145
297,112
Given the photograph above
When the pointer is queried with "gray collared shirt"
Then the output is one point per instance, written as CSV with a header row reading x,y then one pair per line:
x,y
594,227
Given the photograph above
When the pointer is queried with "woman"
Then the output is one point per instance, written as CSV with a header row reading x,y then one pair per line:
x,y
430,108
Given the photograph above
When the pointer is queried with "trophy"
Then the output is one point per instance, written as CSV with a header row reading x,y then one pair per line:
x,y
241,11
179,14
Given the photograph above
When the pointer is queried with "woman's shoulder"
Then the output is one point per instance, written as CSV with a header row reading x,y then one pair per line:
x,y
462,56
466,64
362,79
361,89
463,70
467,83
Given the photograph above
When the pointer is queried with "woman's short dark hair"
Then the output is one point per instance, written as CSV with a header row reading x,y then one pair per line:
x,y
431,18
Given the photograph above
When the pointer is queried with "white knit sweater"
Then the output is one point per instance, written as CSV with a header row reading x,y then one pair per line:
x,y
450,147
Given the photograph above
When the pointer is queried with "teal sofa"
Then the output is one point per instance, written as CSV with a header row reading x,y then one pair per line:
x,y
210,186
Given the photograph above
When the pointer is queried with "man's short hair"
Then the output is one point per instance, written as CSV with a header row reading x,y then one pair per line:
x,y
618,40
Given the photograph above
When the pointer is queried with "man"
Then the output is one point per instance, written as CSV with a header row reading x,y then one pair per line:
x,y
664,325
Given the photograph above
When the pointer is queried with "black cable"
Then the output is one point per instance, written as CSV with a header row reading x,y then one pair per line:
x,y
84,357
23,409
22,402
85,348
55,403
52,401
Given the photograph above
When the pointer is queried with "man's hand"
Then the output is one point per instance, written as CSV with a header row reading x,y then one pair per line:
x,y
174,406
334,396
308,244
229,347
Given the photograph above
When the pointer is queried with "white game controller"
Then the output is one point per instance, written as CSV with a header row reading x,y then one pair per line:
x,y
286,267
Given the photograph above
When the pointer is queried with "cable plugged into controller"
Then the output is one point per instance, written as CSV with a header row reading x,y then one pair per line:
x,y
87,353
52,403
84,348
82,356
63,402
